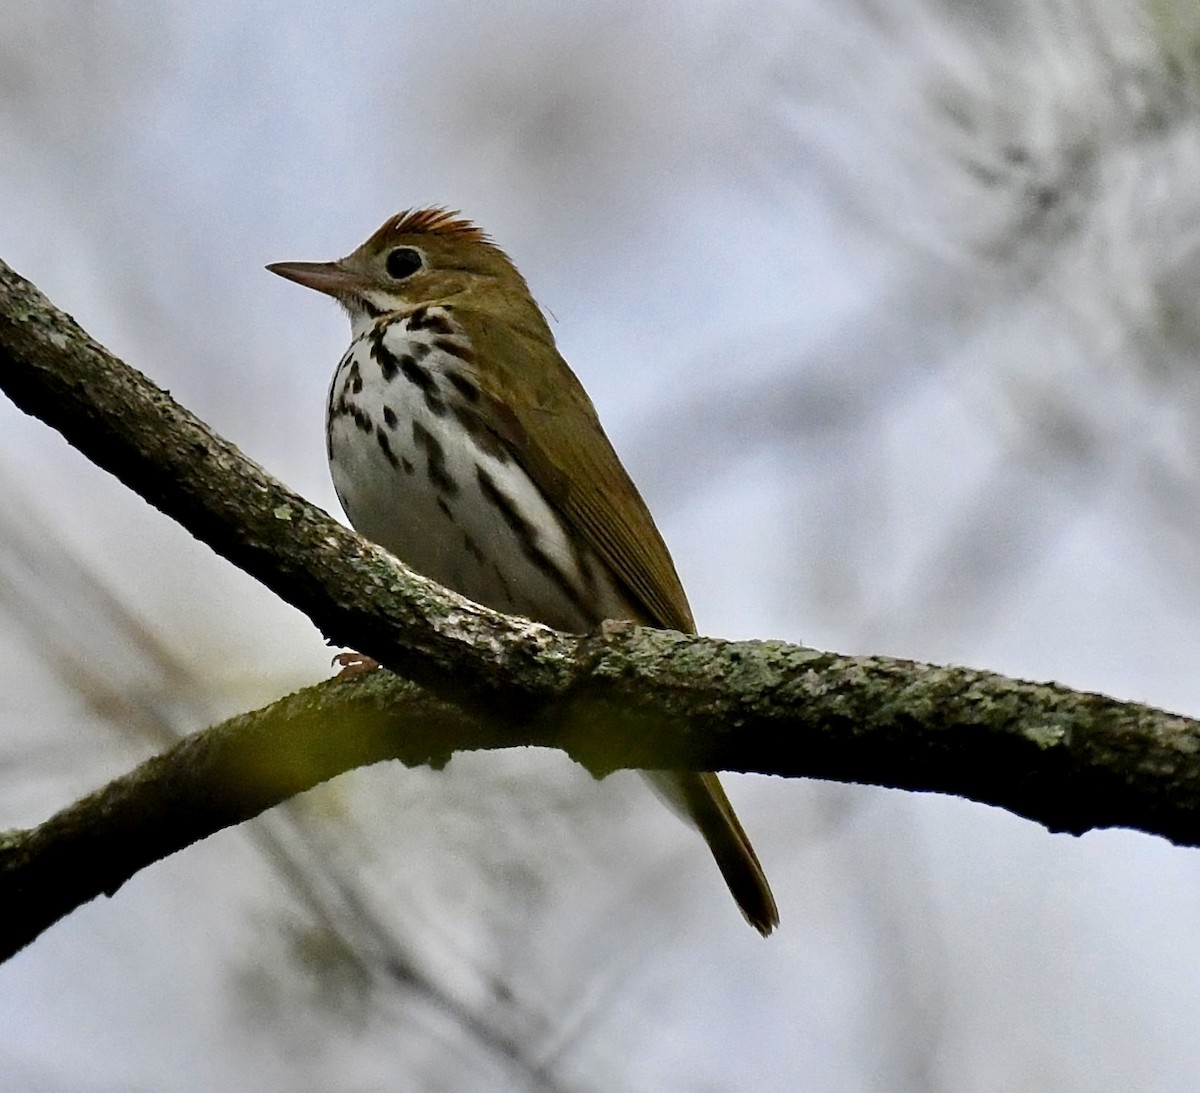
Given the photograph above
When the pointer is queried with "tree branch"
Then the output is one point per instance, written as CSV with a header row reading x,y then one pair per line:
x,y
623,697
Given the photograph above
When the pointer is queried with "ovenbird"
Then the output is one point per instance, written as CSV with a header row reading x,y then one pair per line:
x,y
461,441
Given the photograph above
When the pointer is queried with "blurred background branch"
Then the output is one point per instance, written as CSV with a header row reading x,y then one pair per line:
x,y
1071,761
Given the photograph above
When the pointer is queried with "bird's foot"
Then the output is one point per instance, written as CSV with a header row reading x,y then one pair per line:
x,y
614,628
355,664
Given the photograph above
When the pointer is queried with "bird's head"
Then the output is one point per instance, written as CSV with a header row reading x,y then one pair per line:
x,y
421,256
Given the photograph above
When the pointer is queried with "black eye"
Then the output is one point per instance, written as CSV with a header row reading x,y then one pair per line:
x,y
403,262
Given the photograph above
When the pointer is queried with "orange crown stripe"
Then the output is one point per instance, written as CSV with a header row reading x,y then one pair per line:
x,y
435,221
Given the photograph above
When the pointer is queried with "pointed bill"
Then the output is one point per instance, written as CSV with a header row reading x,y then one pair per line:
x,y
331,278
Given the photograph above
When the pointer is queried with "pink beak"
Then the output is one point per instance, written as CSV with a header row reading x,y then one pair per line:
x,y
331,278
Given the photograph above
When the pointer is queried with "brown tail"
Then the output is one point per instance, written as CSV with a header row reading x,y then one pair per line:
x,y
702,801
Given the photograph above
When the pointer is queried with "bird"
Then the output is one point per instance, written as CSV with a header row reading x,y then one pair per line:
x,y
460,440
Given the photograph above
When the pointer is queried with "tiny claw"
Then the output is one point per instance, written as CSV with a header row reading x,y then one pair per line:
x,y
614,628
355,664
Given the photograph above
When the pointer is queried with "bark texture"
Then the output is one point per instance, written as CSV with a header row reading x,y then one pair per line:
x,y
464,677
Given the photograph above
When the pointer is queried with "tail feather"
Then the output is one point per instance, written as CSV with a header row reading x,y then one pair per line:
x,y
702,801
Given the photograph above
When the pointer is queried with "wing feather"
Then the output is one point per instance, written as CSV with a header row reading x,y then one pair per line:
x,y
537,406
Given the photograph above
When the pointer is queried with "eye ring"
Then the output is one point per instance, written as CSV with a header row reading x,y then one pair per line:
x,y
403,262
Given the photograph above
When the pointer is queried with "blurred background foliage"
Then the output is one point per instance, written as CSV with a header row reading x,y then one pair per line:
x,y
891,309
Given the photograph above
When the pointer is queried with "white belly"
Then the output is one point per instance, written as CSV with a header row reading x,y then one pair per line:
x,y
412,479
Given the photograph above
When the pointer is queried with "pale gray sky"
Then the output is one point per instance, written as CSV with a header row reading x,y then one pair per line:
x,y
891,312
